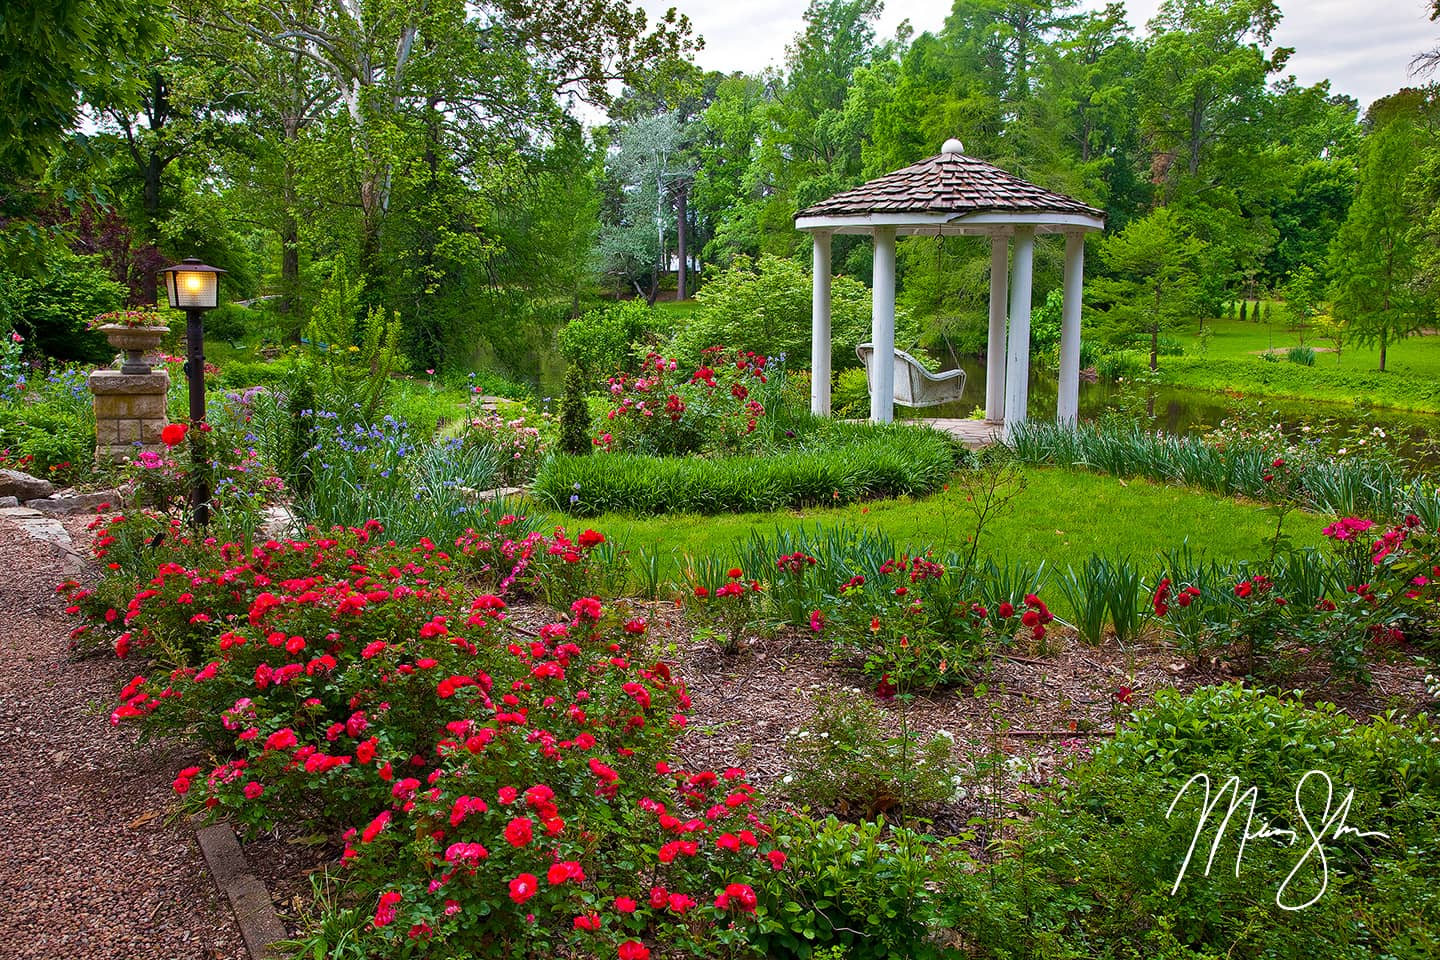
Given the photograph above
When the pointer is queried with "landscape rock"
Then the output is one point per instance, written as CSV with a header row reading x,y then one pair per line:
x,y
9,501
64,506
22,486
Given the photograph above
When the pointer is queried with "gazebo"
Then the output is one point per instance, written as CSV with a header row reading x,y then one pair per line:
x,y
955,195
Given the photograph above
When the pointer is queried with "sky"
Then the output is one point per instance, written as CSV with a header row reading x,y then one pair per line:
x,y
1363,47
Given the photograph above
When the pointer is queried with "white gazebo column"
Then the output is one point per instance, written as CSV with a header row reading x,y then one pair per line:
x,y
1067,407
1017,367
995,349
820,326
882,328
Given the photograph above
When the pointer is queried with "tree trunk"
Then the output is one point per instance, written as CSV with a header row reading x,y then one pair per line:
x,y
151,173
680,218
1382,352
1155,334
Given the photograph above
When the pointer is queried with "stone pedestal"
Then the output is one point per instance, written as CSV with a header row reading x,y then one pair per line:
x,y
129,412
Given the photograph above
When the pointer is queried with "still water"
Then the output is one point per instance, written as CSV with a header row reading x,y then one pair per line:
x,y
1180,411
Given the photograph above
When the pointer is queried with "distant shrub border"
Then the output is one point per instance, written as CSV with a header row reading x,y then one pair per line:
x,y
836,466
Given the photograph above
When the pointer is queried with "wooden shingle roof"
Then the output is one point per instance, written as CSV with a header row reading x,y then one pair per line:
x,y
950,183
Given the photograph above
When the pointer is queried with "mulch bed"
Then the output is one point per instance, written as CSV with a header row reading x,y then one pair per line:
x,y
95,864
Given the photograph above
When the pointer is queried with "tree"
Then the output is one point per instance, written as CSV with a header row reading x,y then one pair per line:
x,y
51,53
1153,282
1203,82
1427,62
1303,294
1374,259
645,165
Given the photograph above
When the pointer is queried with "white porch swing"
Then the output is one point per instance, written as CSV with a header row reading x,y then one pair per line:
x,y
914,385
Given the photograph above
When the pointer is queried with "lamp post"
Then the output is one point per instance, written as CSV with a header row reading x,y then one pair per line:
x,y
194,287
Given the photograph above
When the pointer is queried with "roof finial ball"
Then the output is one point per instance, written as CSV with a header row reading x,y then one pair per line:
x,y
953,146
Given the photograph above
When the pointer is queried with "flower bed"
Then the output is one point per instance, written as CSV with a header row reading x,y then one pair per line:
x,y
506,790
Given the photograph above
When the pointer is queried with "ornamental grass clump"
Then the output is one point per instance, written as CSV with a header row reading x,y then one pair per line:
x,y
1325,475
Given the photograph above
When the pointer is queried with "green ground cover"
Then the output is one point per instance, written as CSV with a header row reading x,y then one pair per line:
x,y
1232,362
1062,517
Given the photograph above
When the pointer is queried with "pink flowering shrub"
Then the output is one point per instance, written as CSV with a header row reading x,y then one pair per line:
x,y
519,439
669,409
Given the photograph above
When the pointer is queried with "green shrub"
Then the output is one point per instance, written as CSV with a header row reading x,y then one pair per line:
x,y
1305,356
834,466
256,373
52,311
611,338
1102,861
50,440
575,414
231,323
870,891
850,396
1114,365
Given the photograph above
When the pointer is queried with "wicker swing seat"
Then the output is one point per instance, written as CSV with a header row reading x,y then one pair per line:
x,y
914,385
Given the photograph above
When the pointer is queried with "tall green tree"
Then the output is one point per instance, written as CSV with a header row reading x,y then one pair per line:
x,y
53,54
1153,282
1375,258
648,160
1203,82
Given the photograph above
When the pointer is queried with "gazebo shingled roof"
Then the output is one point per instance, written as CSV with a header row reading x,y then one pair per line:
x,y
949,183
955,195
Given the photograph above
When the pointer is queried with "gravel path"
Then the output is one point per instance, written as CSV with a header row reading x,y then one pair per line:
x,y
92,863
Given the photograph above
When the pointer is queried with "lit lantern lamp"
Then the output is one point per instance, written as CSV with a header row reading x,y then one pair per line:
x,y
195,287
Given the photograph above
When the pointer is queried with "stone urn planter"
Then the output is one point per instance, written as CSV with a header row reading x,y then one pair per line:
x,y
136,342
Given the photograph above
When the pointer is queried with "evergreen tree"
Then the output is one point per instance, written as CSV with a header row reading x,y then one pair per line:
x,y
1375,258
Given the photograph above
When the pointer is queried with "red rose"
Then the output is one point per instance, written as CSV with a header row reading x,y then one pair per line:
x,y
634,950
173,433
523,887
519,831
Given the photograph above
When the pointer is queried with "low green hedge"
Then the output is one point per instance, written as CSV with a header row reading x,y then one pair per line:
x,y
839,464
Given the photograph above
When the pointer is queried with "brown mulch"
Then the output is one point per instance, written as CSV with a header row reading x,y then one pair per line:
x,y
94,863
1036,709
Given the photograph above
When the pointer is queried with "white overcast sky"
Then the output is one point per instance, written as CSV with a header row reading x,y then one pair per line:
x,y
1363,47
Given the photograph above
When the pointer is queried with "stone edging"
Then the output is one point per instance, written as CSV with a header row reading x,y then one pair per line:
x,y
248,896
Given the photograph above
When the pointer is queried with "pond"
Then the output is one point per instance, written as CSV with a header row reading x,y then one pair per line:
x,y
1415,436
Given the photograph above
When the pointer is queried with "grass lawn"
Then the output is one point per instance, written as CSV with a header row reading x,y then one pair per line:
x,y
1062,517
1232,362
676,311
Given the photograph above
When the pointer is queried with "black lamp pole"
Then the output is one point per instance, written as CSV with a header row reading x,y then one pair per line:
x,y
195,383
194,287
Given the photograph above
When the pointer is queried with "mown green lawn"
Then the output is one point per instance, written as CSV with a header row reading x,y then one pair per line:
x,y
1062,517
1232,362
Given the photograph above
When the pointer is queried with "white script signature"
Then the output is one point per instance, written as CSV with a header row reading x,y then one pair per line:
x,y
1330,825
